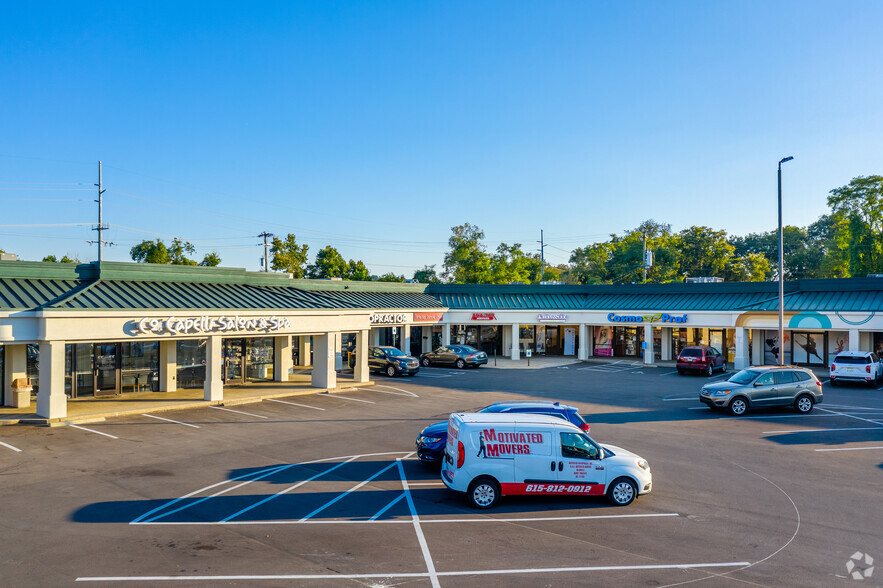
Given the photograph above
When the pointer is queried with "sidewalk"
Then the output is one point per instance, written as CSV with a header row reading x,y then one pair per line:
x,y
98,409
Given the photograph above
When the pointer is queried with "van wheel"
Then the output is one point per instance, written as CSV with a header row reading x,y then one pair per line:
x,y
483,493
622,492
391,371
803,404
425,362
738,406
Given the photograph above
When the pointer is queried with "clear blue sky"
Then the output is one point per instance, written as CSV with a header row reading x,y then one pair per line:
x,y
376,126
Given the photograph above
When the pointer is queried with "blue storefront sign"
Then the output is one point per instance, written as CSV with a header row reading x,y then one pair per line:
x,y
646,318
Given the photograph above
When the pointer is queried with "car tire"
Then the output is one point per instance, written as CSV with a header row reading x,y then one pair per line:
x,y
834,383
483,493
738,406
460,364
680,372
724,368
391,371
709,369
804,404
622,492
425,361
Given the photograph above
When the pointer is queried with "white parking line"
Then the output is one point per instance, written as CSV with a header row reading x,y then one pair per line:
x,y
695,398
375,389
294,404
287,490
408,521
239,412
850,448
426,483
852,416
355,399
432,575
153,416
10,446
780,416
93,431
843,406
424,547
821,430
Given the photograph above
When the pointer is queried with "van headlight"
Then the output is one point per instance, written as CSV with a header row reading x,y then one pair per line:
x,y
642,463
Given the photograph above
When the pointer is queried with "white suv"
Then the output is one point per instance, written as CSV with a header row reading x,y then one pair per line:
x,y
857,366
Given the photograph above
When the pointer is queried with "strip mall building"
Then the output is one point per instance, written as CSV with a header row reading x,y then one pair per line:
x,y
75,333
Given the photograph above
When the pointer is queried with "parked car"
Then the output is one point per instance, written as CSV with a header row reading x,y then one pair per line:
x,y
431,440
857,366
765,386
701,358
493,455
458,355
392,361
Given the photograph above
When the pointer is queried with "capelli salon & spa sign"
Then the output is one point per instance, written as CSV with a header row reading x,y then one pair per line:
x,y
646,318
208,324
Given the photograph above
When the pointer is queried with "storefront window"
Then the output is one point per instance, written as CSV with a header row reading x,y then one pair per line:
x,y
260,359
603,346
34,367
139,367
348,349
526,339
191,363
2,373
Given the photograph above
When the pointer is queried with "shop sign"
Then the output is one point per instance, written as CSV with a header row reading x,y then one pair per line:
x,y
484,316
551,318
423,317
388,319
210,324
646,318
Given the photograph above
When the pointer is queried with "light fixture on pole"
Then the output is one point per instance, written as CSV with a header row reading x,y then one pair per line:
x,y
781,274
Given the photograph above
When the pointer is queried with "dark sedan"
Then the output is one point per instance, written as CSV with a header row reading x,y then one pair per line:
x,y
431,440
392,361
456,355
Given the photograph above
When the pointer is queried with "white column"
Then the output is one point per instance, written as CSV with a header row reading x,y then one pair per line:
x,y
516,354
446,334
665,354
585,343
361,373
757,344
168,366
16,366
865,341
854,343
649,355
405,339
740,362
303,352
426,331
51,400
281,358
214,384
324,375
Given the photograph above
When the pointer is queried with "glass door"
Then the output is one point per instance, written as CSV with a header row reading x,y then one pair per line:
x,y
106,369
234,355
84,374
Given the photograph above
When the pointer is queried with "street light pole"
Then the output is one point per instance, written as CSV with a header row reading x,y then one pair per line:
x,y
781,275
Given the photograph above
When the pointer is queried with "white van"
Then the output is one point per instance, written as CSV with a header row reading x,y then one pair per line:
x,y
491,455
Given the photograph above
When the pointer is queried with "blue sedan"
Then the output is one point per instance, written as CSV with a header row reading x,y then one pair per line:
x,y
431,440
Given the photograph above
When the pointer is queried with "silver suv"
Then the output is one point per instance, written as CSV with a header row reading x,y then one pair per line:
x,y
761,386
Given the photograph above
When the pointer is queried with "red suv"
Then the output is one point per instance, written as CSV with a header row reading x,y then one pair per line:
x,y
700,358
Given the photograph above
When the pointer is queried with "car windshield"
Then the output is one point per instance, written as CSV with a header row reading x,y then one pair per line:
x,y
851,359
744,377
393,352
691,353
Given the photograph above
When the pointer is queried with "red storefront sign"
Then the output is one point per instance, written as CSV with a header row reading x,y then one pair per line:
x,y
484,316
423,317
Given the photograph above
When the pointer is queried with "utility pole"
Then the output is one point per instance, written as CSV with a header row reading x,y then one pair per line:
x,y
542,257
265,235
644,258
101,226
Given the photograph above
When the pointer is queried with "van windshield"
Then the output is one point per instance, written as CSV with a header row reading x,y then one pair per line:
x,y
744,377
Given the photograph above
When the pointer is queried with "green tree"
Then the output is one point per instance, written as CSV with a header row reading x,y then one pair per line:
x,y
356,270
861,203
64,259
830,235
704,251
391,277
211,260
286,255
427,275
511,264
467,262
588,265
150,251
329,264
751,267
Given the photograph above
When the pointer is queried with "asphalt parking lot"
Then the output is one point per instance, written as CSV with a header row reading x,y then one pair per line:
x,y
324,490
